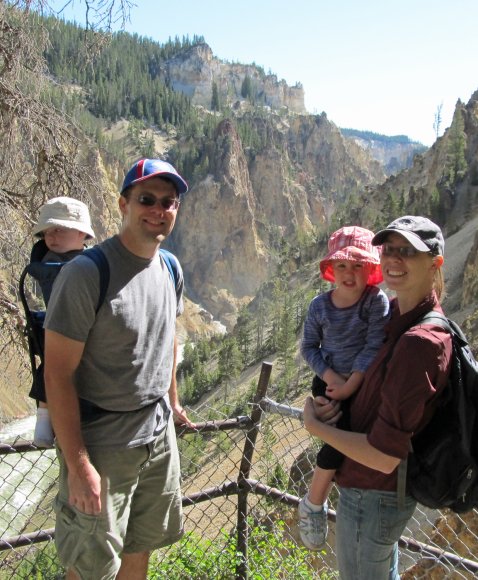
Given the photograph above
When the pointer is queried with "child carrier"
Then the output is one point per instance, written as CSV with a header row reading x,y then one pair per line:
x,y
45,273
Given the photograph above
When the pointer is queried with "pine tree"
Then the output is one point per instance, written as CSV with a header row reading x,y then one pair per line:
x,y
246,88
230,359
286,338
456,160
230,363
438,120
215,102
245,332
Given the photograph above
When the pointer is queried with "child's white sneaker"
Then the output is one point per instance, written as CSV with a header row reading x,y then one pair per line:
x,y
313,525
43,435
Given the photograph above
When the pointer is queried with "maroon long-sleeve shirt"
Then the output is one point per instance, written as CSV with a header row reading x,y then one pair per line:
x,y
397,395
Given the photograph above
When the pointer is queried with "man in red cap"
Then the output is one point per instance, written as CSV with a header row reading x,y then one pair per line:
x,y
111,387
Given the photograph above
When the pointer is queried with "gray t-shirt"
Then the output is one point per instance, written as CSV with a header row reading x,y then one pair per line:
x,y
128,356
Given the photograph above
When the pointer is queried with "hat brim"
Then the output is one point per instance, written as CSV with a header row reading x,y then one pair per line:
x,y
53,222
375,276
181,185
381,236
352,254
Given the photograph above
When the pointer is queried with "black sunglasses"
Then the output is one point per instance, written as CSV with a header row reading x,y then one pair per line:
x,y
167,203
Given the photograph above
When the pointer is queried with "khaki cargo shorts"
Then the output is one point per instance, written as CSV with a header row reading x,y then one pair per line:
x,y
141,508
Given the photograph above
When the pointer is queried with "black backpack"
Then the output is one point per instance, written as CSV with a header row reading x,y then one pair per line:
x,y
441,470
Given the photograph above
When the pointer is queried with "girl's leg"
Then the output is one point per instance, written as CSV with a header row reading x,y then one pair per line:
x,y
320,485
313,509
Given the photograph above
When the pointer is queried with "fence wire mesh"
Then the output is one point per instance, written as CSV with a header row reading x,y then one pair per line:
x,y
239,508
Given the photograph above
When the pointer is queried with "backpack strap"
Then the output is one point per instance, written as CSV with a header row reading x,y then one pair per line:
x,y
172,264
402,482
436,318
97,255
34,345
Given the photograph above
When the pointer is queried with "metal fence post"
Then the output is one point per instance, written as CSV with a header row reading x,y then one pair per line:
x,y
245,470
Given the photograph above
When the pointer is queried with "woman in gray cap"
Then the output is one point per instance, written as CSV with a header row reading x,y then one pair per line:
x,y
393,403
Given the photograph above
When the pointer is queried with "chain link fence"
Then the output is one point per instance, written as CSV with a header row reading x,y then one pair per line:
x,y
242,480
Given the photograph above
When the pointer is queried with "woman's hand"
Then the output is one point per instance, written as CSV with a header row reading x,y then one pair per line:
x,y
321,410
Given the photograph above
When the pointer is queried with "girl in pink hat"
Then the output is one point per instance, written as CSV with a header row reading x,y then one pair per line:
x,y
343,331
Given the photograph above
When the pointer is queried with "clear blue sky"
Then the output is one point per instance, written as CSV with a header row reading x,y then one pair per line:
x,y
377,65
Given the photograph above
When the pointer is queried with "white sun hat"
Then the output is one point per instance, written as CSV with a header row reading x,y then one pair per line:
x,y
65,212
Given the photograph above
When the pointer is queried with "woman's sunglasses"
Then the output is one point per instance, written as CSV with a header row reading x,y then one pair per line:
x,y
167,203
400,251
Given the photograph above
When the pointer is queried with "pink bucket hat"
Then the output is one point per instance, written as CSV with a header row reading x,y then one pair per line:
x,y
355,244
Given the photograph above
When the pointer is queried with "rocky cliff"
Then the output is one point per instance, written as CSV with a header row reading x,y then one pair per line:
x,y
393,153
216,234
232,222
194,71
443,185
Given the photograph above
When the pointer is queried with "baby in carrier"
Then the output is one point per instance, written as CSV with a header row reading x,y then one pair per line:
x,y
64,225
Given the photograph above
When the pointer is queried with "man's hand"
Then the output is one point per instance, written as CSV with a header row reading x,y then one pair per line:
x,y
180,416
84,484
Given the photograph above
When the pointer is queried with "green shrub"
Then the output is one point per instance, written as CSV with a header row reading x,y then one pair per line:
x,y
41,563
272,554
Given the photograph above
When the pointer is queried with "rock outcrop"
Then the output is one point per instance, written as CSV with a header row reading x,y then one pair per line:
x,y
305,178
194,71
216,236
393,155
232,222
443,185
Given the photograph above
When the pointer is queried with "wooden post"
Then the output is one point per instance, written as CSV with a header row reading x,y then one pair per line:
x,y
245,470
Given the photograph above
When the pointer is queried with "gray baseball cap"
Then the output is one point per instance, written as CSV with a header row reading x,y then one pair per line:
x,y
422,233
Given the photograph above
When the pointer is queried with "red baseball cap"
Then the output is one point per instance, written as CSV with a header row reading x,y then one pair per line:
x,y
147,168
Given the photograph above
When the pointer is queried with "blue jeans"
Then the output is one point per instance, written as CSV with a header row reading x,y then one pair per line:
x,y
369,525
